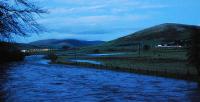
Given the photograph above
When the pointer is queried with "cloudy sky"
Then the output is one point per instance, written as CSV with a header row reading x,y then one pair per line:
x,y
110,19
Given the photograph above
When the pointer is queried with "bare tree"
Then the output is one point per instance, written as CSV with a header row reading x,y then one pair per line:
x,y
18,17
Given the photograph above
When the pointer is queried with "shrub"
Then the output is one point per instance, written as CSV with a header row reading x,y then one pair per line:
x,y
53,57
193,51
146,47
111,49
65,47
96,51
9,52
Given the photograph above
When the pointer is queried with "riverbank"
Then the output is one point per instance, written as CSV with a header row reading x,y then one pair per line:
x,y
133,69
171,64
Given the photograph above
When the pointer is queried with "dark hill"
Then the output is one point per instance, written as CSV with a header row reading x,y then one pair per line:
x,y
163,33
167,32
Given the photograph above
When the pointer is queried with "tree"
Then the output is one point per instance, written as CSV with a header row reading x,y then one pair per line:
x,y
65,47
18,17
139,48
193,51
146,47
96,51
9,52
52,56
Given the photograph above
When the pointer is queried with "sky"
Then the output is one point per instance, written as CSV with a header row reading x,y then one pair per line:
x,y
109,19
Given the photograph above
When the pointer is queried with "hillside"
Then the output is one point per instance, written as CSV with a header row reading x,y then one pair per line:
x,y
27,46
56,43
163,33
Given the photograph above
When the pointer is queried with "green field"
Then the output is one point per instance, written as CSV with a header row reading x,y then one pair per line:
x,y
164,62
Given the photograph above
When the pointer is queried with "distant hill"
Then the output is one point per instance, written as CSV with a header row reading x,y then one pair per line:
x,y
57,43
27,46
163,33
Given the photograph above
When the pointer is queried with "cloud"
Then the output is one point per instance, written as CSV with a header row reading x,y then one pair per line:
x,y
108,19
79,18
75,9
67,7
93,20
152,6
94,31
111,3
93,12
102,24
96,17
56,35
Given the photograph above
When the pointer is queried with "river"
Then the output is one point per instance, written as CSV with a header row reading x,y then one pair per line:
x,y
34,80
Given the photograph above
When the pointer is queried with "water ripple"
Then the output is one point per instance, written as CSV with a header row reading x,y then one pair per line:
x,y
32,81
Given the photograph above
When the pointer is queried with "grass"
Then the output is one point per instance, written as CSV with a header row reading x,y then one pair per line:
x,y
152,65
180,73
162,62
168,62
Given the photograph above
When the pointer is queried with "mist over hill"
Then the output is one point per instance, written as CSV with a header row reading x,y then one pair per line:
x,y
59,43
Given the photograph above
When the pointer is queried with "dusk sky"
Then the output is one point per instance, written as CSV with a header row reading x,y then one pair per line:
x,y
110,19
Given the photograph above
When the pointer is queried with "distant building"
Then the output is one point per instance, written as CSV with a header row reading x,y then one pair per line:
x,y
168,46
24,51
35,50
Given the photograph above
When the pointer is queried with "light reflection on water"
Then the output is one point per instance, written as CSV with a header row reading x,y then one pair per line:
x,y
104,54
34,81
87,61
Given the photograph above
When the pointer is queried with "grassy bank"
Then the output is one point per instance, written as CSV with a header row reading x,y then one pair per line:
x,y
133,69
168,63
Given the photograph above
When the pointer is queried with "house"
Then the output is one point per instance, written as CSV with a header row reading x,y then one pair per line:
x,y
168,46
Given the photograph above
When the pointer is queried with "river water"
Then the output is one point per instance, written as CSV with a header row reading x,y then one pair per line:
x,y
34,80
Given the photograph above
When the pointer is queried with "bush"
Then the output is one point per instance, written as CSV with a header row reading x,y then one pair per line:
x,y
193,50
53,57
9,52
146,47
65,47
111,49
96,51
